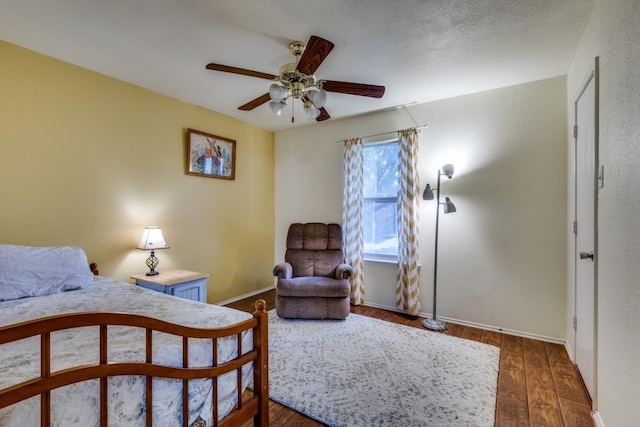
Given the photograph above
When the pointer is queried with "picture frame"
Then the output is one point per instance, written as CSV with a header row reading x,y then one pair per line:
x,y
211,156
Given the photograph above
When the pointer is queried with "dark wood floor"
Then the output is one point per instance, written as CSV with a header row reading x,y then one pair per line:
x,y
537,383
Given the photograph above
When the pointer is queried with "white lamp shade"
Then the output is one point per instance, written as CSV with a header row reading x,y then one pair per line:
x,y
428,193
447,170
152,239
311,111
318,97
277,107
277,92
449,207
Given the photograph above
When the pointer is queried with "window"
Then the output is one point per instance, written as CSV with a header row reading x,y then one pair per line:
x,y
380,204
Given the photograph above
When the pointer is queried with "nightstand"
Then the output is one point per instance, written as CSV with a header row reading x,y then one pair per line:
x,y
180,283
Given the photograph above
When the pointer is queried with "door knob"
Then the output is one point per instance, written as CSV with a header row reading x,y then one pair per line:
x,y
585,255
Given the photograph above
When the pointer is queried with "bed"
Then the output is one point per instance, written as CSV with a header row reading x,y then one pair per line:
x,y
78,349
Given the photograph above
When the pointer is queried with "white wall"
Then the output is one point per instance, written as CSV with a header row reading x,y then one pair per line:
x,y
613,35
502,256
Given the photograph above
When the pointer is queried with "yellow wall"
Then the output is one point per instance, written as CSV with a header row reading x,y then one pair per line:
x,y
87,160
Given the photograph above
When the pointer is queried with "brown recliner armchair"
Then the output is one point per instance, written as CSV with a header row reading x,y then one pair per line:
x,y
313,282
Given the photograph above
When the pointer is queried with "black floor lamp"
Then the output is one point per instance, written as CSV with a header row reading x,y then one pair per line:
x,y
434,323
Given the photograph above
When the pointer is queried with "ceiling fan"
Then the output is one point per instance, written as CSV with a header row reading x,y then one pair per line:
x,y
296,80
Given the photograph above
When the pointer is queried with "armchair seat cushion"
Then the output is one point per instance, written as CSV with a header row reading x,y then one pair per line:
x,y
313,286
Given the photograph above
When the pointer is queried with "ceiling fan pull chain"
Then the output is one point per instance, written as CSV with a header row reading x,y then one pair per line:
x,y
293,119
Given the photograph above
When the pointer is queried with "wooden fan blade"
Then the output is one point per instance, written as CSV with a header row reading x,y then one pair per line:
x,y
235,70
359,89
255,102
323,115
316,51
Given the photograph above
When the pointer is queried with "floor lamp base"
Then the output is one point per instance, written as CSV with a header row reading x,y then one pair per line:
x,y
434,324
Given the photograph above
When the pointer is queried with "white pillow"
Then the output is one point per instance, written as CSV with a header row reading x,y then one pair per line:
x,y
27,271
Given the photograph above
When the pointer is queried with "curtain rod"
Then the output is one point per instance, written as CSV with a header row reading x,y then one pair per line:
x,y
383,133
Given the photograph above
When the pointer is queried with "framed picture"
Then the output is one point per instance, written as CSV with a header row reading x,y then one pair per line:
x,y
210,155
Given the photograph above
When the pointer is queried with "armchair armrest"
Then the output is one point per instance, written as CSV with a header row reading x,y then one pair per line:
x,y
283,270
343,271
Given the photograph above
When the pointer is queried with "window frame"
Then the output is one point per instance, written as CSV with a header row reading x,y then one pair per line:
x,y
372,256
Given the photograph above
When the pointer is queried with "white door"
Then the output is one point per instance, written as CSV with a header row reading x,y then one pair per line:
x,y
586,163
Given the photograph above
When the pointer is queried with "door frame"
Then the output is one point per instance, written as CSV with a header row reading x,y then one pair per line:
x,y
594,75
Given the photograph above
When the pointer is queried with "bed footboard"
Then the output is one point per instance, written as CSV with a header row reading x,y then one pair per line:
x,y
249,405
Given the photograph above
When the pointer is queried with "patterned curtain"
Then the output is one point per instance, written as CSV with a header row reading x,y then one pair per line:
x,y
352,215
407,285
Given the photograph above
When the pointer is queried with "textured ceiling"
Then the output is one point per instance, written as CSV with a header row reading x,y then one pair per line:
x,y
421,50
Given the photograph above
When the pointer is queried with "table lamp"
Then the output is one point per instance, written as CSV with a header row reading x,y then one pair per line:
x,y
151,240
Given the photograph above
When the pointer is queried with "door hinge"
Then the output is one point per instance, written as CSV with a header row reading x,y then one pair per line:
x,y
601,177
575,323
575,131
575,227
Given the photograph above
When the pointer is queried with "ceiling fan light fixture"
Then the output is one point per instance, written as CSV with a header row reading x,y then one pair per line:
x,y
317,97
277,107
278,93
311,111
297,80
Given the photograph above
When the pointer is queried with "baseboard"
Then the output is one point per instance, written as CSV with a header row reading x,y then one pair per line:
x,y
597,419
446,319
238,298
569,350
480,326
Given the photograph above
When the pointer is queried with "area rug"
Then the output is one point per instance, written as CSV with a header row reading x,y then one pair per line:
x,y
368,372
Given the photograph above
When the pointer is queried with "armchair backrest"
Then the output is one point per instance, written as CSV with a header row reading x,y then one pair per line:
x,y
314,249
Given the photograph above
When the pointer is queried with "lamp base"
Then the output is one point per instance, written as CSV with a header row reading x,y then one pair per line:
x,y
434,324
152,262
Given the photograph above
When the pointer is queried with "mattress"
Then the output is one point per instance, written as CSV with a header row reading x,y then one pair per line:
x,y
78,404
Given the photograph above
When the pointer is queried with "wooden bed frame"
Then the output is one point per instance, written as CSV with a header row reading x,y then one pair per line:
x,y
250,404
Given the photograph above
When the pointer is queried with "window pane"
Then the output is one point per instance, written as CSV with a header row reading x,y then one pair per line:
x,y
380,199
380,227
381,170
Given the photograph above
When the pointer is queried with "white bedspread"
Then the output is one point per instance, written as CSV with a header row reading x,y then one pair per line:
x,y
78,404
